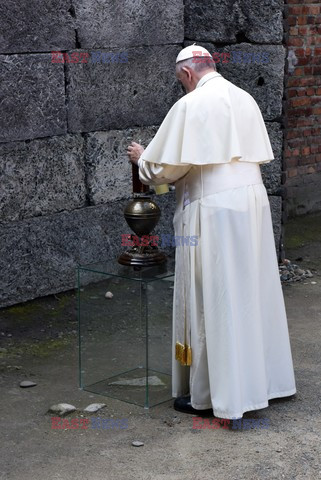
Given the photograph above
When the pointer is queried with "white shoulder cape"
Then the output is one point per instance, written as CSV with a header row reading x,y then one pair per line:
x,y
215,123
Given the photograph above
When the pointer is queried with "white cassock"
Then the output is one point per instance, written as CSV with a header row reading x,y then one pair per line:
x,y
231,346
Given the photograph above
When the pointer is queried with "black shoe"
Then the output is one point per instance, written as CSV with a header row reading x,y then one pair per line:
x,y
183,404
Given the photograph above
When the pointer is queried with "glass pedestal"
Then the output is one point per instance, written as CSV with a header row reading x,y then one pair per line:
x,y
125,331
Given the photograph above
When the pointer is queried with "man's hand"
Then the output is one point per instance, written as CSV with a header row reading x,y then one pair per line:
x,y
134,151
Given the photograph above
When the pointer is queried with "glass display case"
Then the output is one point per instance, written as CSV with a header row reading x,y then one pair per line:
x,y
125,331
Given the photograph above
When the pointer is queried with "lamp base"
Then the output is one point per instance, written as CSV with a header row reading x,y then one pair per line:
x,y
143,256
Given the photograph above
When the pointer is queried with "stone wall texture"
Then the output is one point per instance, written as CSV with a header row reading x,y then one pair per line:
x,y
80,80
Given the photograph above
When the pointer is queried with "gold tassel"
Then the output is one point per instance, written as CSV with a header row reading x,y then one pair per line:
x,y
183,353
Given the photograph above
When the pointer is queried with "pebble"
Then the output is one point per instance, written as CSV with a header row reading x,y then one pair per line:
x,y
313,283
27,384
109,295
62,408
3,350
94,407
137,443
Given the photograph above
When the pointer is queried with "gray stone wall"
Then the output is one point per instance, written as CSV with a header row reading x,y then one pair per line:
x,y
64,128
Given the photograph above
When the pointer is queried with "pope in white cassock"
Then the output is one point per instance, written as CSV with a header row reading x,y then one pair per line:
x,y
231,349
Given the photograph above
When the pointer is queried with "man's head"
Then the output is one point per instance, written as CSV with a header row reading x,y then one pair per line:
x,y
192,63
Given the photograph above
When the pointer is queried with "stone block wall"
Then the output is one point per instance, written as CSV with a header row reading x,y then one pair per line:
x,y
64,128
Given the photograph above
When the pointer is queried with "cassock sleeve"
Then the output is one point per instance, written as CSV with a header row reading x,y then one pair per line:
x,y
157,174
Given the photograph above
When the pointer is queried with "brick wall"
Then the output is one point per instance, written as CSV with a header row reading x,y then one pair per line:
x,y
302,146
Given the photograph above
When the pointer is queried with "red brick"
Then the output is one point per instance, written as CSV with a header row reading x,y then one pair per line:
x,y
295,42
311,169
318,92
310,20
315,101
292,161
302,20
307,132
302,82
304,61
306,160
309,41
308,70
304,122
295,10
294,31
299,102
292,172
314,10
298,72
292,93
292,133
314,148
317,70
310,91
305,151
291,20
316,111
299,52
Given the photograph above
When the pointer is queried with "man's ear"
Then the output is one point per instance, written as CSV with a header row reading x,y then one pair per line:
x,y
188,72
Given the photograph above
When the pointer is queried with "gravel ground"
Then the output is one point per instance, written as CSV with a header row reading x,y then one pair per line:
x,y
39,343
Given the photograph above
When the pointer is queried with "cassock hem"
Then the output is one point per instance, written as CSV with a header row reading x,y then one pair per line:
x,y
221,414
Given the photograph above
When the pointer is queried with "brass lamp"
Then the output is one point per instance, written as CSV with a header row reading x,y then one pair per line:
x,y
142,216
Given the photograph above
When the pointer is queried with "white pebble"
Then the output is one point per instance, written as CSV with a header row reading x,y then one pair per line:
x,y
27,383
109,295
313,283
62,408
137,443
94,407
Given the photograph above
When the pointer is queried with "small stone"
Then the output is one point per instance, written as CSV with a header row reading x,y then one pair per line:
x,y
3,350
308,274
299,271
137,443
284,277
9,335
313,283
94,407
62,409
27,384
109,295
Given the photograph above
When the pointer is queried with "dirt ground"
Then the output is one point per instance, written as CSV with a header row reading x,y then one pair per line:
x,y
39,342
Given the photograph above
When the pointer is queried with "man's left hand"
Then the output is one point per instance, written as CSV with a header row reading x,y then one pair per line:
x,y
134,151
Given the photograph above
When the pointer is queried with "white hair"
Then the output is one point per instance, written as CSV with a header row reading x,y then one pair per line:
x,y
202,63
